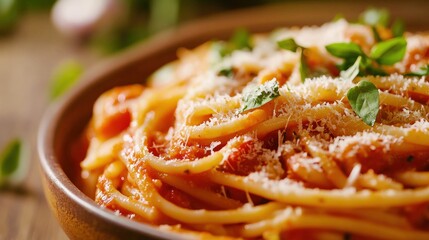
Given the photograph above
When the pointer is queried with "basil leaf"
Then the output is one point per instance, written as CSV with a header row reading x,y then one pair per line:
x,y
218,50
65,77
10,157
352,72
424,71
303,67
377,37
338,17
365,101
375,71
260,95
398,28
291,45
345,50
227,72
374,17
241,39
288,44
389,52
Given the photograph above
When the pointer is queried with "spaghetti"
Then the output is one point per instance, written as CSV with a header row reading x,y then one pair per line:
x,y
184,154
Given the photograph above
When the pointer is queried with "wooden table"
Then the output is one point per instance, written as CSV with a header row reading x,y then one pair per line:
x,y
27,60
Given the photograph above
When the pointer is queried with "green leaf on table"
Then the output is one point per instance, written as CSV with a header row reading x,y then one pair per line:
x,y
375,16
288,44
260,95
398,28
352,71
65,77
390,51
423,71
10,158
365,101
345,50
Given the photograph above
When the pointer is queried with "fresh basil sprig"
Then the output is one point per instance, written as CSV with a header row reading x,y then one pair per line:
x,y
390,51
352,72
260,95
365,101
387,52
290,45
240,40
345,50
363,98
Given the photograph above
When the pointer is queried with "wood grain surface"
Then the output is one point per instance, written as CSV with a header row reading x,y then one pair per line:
x,y
27,59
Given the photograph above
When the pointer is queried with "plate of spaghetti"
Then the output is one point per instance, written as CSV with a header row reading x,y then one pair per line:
x,y
314,132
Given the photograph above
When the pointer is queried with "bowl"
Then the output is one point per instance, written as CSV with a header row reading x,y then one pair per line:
x,y
78,214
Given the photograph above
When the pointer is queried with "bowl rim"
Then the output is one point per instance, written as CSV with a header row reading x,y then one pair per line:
x,y
201,29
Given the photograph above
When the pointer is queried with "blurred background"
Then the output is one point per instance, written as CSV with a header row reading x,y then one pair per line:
x,y
45,46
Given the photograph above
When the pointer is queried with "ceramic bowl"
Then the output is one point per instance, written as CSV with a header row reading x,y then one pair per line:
x,y
78,215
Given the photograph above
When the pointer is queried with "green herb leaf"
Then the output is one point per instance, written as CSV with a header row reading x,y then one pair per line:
x,y
398,28
10,157
365,101
10,12
217,51
377,37
338,17
389,52
345,50
288,44
260,95
241,39
227,72
374,17
371,70
65,77
303,67
352,72
291,45
424,71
